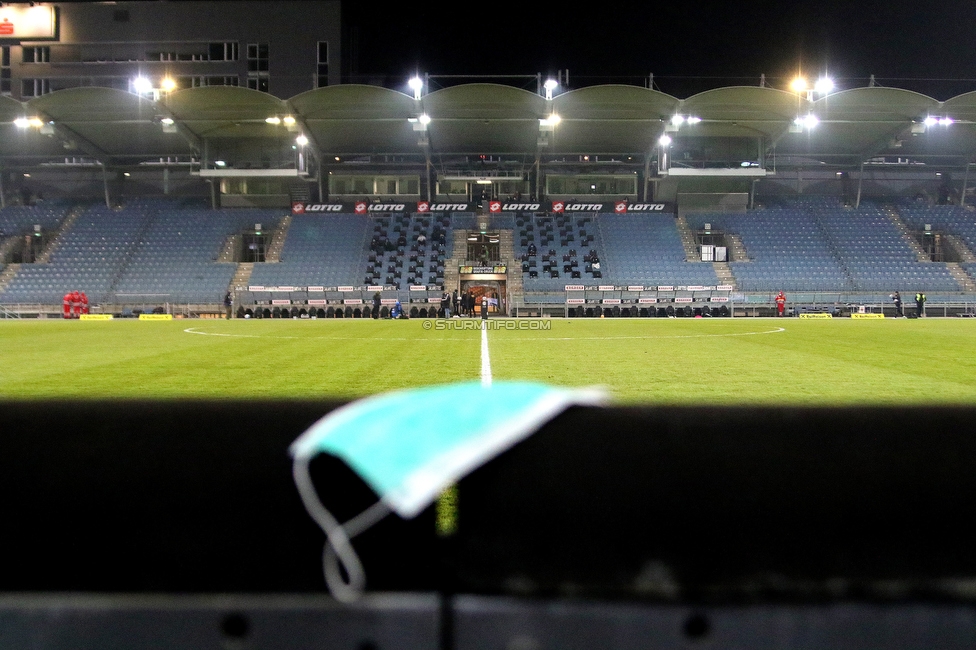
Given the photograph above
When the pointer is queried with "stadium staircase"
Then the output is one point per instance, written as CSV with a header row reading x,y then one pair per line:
x,y
273,254
242,277
963,279
687,239
724,273
460,248
906,233
7,275
10,271
147,225
506,251
58,236
737,250
229,250
722,269
7,246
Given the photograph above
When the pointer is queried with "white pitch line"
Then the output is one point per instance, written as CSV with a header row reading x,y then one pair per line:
x,y
193,330
485,360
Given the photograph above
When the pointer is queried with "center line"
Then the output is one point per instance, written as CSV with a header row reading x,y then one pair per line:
x,y
485,361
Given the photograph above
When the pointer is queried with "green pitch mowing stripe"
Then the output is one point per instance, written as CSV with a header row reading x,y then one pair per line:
x,y
664,361
226,359
750,361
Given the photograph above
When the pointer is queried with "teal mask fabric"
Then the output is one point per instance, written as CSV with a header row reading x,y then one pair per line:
x,y
409,445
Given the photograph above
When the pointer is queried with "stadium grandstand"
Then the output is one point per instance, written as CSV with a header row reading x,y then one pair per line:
x,y
155,192
629,201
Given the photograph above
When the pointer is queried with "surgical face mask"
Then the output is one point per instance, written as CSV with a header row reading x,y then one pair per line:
x,y
408,458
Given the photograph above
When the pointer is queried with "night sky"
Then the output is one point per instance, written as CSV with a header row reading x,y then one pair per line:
x,y
688,46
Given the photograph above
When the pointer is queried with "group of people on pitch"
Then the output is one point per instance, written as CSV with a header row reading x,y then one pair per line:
x,y
920,299
74,304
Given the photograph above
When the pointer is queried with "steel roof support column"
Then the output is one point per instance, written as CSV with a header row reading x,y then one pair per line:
x,y
108,200
647,178
962,198
860,179
3,195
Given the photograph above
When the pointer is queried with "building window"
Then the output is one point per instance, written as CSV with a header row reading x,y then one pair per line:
x,y
322,65
257,57
5,70
258,65
40,54
34,87
206,80
226,51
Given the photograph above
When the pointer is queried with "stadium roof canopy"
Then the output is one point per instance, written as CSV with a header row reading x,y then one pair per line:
x,y
118,128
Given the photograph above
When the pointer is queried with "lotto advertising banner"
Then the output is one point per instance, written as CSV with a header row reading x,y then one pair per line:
x,y
512,206
365,207
616,207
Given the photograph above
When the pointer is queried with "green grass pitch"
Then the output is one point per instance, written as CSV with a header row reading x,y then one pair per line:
x,y
650,361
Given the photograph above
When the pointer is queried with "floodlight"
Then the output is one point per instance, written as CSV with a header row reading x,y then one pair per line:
x,y
945,121
301,140
798,85
550,85
142,85
288,120
22,122
693,120
664,140
548,124
678,120
417,85
806,121
167,121
424,118
930,121
824,85
220,163
167,85
274,119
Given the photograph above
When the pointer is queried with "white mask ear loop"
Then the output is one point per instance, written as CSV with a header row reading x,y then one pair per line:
x,y
338,546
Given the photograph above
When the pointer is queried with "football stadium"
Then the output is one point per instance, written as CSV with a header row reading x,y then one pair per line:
x,y
601,366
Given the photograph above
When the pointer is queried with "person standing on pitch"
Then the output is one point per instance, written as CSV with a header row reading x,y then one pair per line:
x,y
484,307
446,304
66,306
454,302
780,304
377,304
228,304
896,297
920,304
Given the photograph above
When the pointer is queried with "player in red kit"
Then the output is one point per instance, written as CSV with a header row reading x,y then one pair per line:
x,y
66,306
780,304
84,303
75,304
